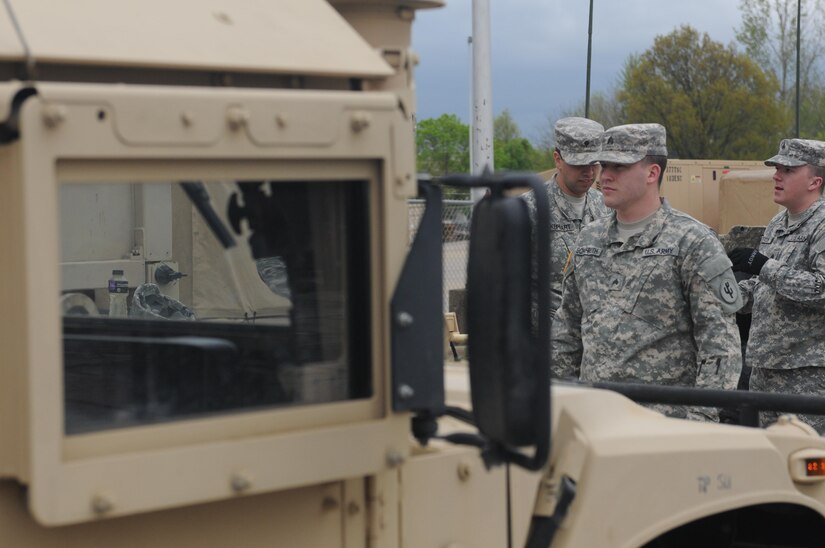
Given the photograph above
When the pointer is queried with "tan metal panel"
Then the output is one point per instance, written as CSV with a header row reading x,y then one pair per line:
x,y
10,45
142,469
666,472
408,4
14,418
693,186
287,36
383,509
746,198
312,516
449,499
354,506
523,488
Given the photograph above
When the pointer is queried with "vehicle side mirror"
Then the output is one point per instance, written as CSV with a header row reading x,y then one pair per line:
x,y
500,348
509,356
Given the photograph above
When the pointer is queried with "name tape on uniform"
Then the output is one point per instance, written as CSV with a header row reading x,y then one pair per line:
x,y
660,251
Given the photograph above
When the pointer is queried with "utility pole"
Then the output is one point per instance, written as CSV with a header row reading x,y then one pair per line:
x,y
798,49
482,111
471,102
589,50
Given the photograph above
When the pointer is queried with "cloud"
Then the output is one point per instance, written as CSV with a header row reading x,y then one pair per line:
x,y
539,50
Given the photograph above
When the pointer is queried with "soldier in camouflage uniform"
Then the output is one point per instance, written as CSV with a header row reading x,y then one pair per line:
x,y
786,295
649,295
573,203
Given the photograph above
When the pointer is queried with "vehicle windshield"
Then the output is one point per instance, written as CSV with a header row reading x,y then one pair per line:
x,y
188,298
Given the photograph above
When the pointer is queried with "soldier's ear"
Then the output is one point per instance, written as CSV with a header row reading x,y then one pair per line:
x,y
816,183
653,171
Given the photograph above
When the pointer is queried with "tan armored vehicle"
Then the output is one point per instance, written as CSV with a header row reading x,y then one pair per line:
x,y
214,333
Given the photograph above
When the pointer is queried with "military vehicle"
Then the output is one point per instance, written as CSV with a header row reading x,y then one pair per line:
x,y
214,333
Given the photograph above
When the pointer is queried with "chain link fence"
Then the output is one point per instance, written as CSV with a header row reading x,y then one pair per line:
x,y
455,234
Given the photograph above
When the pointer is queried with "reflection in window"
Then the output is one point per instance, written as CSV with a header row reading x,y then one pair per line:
x,y
164,318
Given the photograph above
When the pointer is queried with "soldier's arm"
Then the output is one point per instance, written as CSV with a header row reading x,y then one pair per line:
x,y
803,286
566,331
746,288
714,299
530,200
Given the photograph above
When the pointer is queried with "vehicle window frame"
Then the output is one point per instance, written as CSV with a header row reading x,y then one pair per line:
x,y
107,130
80,463
349,200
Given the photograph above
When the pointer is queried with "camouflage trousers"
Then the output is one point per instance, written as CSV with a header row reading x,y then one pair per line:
x,y
703,414
809,381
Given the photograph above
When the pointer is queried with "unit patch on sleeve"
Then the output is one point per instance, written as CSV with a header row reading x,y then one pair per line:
x,y
727,292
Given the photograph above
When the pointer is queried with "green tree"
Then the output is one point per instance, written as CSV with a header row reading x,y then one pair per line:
x,y
714,101
514,155
511,151
605,108
505,128
768,34
812,115
443,145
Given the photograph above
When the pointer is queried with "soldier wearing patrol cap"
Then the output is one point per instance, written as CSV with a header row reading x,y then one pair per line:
x,y
786,294
573,203
649,295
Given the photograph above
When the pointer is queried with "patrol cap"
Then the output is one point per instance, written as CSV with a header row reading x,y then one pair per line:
x,y
798,152
630,143
577,140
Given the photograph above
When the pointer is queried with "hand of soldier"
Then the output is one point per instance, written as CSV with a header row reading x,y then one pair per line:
x,y
747,259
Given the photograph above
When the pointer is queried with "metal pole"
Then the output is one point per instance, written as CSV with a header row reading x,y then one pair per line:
x,y
482,122
589,50
471,103
798,48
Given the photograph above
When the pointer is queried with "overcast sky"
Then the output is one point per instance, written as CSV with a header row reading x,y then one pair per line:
x,y
539,50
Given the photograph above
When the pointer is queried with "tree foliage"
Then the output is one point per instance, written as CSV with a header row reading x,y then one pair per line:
x,y
512,152
605,108
519,155
505,128
443,145
714,101
812,116
768,34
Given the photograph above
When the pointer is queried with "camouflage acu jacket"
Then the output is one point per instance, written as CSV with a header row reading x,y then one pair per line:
x,y
565,225
787,299
658,308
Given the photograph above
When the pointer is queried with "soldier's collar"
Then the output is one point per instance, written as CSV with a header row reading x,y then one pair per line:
x,y
651,231
563,205
805,215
